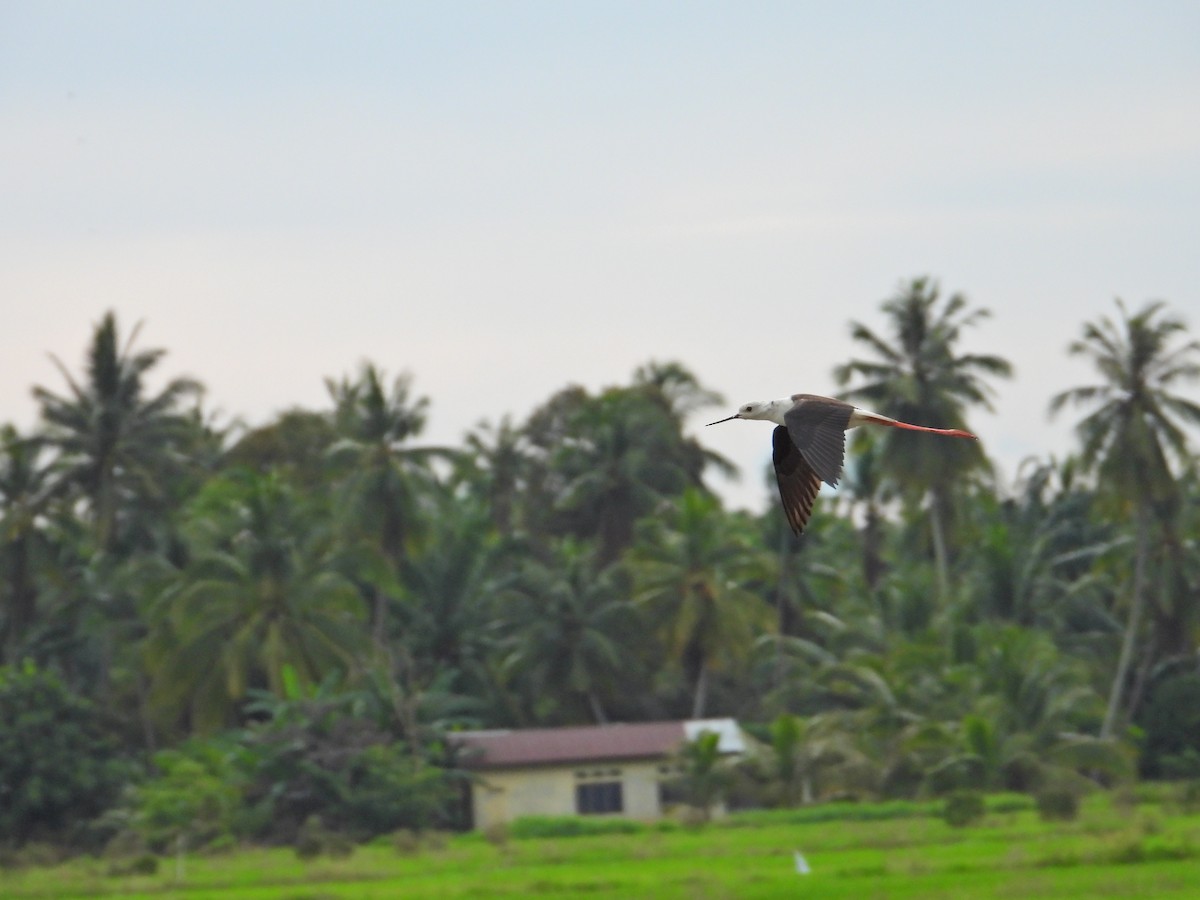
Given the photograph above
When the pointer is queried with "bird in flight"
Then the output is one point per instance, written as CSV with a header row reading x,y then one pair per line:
x,y
809,444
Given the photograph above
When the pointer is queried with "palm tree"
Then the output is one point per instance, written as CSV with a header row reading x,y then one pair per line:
x,y
612,458
918,376
801,749
118,447
450,590
1135,424
1032,550
618,464
705,775
25,492
385,475
259,596
690,568
566,626
496,466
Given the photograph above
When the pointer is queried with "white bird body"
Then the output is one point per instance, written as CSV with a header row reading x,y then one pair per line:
x,y
775,410
809,444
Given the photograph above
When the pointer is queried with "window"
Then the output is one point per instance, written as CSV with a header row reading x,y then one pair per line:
x,y
599,797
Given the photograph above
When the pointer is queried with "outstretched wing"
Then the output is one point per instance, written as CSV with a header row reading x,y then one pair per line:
x,y
817,426
798,483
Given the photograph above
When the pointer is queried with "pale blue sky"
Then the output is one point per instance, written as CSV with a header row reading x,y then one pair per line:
x,y
504,198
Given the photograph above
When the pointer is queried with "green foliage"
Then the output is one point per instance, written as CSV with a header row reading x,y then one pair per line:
x,y
193,798
1189,796
1057,803
963,808
705,775
259,594
121,449
143,864
323,757
330,596
1016,855
59,764
572,826
565,626
314,840
1171,722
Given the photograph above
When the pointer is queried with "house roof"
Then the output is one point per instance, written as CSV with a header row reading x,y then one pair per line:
x,y
592,743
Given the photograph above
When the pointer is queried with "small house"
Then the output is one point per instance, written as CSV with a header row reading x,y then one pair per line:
x,y
616,769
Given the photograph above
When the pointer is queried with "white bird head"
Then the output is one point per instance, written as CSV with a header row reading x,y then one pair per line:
x,y
755,409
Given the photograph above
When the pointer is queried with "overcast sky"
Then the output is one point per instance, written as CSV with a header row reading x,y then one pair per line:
x,y
505,198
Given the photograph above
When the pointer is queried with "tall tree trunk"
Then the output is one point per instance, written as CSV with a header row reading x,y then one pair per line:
x,y
872,542
597,708
1137,602
22,601
700,699
941,562
379,622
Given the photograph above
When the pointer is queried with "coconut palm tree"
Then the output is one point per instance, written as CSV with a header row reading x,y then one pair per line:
x,y
621,460
705,775
119,447
917,375
690,568
258,596
25,492
444,622
610,459
1135,425
565,625
385,475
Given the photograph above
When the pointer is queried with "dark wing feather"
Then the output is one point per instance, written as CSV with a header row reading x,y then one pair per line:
x,y
817,426
798,483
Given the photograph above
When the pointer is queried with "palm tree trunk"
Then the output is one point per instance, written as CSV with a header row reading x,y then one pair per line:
x,y
597,709
23,602
872,542
937,524
700,699
379,622
1137,602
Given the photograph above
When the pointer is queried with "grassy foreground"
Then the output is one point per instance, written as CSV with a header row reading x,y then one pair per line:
x,y
1143,852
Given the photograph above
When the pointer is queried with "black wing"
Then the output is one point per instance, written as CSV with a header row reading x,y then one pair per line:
x,y
798,483
817,426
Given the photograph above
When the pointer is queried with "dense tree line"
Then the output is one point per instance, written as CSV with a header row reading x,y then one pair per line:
x,y
233,631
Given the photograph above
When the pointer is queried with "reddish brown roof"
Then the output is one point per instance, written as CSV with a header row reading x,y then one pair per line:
x,y
546,746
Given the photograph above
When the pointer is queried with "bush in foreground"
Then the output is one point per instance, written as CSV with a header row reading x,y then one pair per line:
x,y
963,808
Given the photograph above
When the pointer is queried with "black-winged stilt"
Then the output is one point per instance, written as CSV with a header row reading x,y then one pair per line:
x,y
809,444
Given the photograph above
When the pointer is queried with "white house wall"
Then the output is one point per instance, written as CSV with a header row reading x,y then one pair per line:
x,y
502,795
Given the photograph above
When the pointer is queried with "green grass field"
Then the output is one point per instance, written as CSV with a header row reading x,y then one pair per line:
x,y
1145,852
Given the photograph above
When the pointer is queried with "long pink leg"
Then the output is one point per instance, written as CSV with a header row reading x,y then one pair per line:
x,y
951,432
877,419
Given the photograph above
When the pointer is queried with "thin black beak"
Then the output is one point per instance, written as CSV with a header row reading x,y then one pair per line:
x,y
719,421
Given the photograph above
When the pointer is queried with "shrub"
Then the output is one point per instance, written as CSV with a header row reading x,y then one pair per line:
x,y
497,834
1171,722
143,864
963,808
572,826
59,767
193,800
406,842
314,839
833,812
1006,803
1057,804
125,845
435,840
35,854
1189,796
320,757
